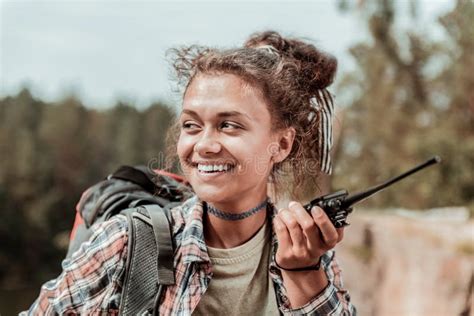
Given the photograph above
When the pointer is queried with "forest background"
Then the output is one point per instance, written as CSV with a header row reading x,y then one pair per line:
x,y
410,96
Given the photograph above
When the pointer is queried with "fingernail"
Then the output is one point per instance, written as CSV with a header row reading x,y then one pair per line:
x,y
292,203
316,211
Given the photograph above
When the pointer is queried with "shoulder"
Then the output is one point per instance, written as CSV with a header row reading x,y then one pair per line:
x,y
116,226
91,279
111,231
108,242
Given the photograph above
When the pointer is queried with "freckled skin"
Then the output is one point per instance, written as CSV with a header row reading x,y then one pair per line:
x,y
244,140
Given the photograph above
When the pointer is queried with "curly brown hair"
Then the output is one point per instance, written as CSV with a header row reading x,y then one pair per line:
x,y
293,77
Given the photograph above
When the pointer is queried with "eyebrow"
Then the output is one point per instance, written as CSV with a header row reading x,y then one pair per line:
x,y
220,114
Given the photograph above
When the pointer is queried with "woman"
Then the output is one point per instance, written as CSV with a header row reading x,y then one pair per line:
x,y
247,113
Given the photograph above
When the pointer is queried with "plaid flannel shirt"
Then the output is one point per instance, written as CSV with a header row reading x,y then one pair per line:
x,y
91,280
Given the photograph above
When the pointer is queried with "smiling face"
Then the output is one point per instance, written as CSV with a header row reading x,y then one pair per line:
x,y
226,147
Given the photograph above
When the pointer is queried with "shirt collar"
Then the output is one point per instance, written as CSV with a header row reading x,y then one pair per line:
x,y
192,241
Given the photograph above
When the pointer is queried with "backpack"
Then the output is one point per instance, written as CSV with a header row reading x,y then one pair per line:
x,y
145,197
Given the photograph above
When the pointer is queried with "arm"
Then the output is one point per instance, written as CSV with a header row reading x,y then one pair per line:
x,y
303,239
333,299
91,279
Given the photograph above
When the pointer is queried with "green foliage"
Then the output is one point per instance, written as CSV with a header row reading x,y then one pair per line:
x,y
50,154
412,98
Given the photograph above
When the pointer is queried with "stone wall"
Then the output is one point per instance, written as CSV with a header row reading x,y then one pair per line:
x,y
409,263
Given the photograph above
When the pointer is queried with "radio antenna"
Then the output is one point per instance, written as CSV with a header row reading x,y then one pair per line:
x,y
357,197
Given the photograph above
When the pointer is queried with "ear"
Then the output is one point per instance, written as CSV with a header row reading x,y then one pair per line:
x,y
284,140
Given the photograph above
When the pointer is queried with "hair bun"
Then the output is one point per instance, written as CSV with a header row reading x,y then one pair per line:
x,y
317,68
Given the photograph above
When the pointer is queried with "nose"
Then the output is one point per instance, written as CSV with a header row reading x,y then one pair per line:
x,y
207,144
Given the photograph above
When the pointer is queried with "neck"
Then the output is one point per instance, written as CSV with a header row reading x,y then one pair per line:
x,y
221,233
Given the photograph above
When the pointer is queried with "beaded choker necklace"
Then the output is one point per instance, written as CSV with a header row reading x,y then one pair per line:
x,y
235,217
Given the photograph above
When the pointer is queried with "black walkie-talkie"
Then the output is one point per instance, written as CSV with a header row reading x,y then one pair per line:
x,y
338,205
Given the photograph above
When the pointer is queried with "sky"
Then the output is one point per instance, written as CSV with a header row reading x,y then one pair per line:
x,y
109,50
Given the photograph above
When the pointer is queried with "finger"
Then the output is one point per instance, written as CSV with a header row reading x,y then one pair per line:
x,y
309,227
340,232
327,229
283,236
297,238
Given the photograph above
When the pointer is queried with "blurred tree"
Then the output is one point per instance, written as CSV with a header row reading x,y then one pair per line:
x,y
453,95
157,119
50,154
21,179
412,97
125,132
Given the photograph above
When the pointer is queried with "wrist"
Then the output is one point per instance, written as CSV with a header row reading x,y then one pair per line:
x,y
303,287
314,267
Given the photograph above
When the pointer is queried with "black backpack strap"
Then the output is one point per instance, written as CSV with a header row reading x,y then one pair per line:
x,y
150,259
161,229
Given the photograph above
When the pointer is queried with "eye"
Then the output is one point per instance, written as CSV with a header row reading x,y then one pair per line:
x,y
229,125
189,125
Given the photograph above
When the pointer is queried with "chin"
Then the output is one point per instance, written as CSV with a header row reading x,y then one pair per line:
x,y
211,195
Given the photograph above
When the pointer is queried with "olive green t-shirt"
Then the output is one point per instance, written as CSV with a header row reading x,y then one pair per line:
x,y
241,284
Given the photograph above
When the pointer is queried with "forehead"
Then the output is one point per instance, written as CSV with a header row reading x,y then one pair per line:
x,y
209,95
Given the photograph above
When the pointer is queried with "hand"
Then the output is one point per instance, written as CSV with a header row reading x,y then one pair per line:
x,y
302,237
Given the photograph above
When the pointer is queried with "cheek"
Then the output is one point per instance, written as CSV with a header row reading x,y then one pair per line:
x,y
184,147
257,158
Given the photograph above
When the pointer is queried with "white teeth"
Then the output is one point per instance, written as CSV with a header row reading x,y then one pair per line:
x,y
213,167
